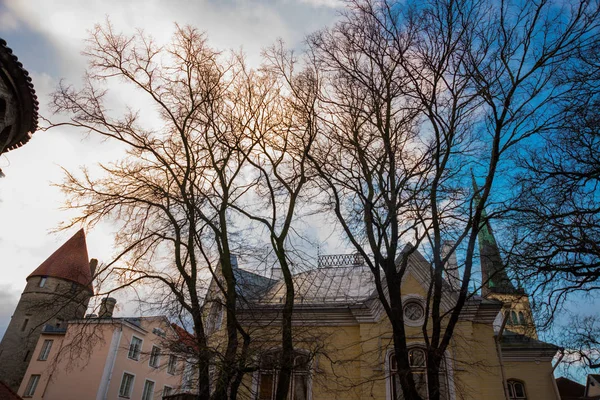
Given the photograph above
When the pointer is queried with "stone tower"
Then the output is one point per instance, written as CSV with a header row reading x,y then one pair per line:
x,y
57,291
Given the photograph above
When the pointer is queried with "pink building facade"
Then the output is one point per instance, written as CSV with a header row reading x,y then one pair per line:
x,y
106,359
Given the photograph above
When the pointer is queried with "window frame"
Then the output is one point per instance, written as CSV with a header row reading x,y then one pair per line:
x,y
151,394
510,385
274,373
406,301
172,370
32,385
43,280
135,357
131,385
155,357
449,375
170,390
45,350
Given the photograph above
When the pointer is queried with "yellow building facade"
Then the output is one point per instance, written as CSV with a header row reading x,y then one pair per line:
x,y
344,344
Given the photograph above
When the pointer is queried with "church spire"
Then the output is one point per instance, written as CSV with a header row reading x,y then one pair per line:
x,y
493,271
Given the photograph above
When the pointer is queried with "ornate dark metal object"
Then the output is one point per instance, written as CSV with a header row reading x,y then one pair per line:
x,y
18,102
340,260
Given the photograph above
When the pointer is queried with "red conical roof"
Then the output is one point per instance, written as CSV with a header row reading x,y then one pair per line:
x,y
69,262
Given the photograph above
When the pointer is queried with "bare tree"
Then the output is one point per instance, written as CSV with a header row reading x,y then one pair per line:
x,y
557,209
415,95
171,194
283,133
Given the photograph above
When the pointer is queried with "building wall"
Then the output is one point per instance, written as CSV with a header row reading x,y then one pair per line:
x,y
537,377
141,368
94,375
55,303
352,359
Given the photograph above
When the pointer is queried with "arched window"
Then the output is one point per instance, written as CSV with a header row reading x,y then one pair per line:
x,y
515,320
417,361
269,375
521,318
516,390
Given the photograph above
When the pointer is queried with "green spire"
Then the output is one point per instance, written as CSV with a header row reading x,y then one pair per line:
x,y
493,271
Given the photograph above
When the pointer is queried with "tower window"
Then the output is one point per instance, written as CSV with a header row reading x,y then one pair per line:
x,y
42,281
30,389
24,326
521,318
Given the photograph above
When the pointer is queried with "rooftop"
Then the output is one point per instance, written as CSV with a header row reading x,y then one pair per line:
x,y
69,262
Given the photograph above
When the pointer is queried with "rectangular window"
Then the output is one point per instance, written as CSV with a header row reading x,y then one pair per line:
x,y
126,385
266,389
42,281
188,372
155,357
148,390
24,324
135,347
45,350
172,365
30,389
167,390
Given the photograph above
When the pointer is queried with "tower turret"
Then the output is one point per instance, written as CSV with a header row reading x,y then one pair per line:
x,y
57,291
493,271
495,281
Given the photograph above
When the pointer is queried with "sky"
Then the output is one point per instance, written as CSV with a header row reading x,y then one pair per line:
x,y
48,38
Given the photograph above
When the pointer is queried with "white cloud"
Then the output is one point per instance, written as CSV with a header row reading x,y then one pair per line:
x,y
29,204
8,21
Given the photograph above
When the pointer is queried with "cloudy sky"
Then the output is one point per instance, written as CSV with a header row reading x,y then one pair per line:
x,y
48,36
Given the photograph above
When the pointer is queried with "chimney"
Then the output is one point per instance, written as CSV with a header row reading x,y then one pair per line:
x,y
107,306
93,265
452,274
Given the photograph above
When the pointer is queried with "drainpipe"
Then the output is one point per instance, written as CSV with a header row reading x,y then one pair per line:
x,y
110,364
562,355
499,351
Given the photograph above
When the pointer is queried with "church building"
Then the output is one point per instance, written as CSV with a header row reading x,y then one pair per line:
x,y
343,338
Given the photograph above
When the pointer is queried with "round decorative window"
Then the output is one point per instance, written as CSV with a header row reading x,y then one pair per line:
x,y
413,311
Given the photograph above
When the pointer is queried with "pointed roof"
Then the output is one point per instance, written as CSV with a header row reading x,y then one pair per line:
x,y
69,262
493,270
